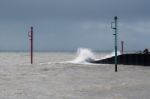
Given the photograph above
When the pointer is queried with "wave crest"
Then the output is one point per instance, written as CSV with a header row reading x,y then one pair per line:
x,y
84,55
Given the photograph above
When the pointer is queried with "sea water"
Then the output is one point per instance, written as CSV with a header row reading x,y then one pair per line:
x,y
66,75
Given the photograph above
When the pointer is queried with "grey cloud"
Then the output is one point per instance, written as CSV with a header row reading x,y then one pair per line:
x,y
74,9
68,24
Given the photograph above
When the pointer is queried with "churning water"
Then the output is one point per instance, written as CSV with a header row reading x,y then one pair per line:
x,y
83,56
53,77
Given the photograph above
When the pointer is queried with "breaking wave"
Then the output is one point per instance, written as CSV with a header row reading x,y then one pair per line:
x,y
84,56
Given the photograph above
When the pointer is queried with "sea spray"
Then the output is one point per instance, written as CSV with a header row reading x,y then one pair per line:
x,y
111,55
84,56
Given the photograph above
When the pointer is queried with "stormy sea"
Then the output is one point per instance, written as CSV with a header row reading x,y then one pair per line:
x,y
70,75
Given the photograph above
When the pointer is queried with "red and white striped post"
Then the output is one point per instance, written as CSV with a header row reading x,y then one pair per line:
x,y
30,34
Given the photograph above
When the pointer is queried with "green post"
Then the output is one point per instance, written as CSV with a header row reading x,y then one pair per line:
x,y
115,28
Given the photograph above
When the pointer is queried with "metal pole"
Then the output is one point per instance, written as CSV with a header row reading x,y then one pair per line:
x,y
122,47
115,18
30,34
31,45
115,28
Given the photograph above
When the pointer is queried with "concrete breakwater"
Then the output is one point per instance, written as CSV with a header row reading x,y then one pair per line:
x,y
127,59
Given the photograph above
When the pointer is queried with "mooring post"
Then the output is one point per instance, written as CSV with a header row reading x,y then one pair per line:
x,y
122,47
116,30
30,34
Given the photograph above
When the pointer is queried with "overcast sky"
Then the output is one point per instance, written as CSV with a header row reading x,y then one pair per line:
x,y
70,24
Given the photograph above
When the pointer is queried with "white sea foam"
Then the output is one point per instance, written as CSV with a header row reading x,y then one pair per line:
x,y
84,56
111,55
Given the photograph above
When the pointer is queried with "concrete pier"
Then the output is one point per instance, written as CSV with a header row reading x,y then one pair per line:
x,y
128,59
